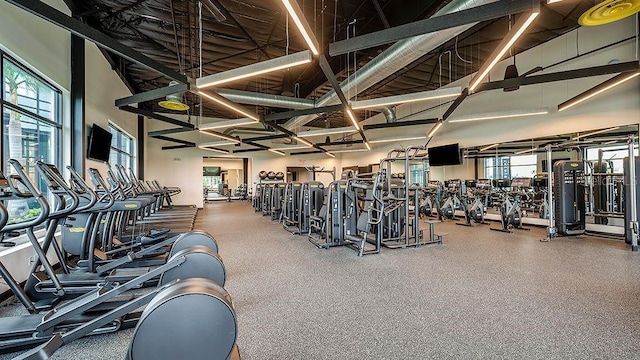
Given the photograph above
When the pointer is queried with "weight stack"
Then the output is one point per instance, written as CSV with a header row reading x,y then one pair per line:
x,y
627,197
568,196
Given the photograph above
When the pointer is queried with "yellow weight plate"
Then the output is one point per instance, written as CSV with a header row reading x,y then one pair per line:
x,y
609,11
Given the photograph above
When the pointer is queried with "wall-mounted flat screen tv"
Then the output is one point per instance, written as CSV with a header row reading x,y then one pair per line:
x,y
99,145
445,155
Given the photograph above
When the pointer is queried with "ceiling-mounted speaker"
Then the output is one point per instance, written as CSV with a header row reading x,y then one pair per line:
x,y
609,11
511,72
174,101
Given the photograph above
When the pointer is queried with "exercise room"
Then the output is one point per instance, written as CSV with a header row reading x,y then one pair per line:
x,y
319,179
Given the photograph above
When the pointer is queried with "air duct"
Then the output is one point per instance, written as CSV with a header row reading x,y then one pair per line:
x,y
278,101
394,58
389,114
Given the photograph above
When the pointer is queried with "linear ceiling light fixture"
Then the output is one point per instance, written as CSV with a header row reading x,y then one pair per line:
x,y
301,22
299,139
406,138
595,133
229,105
353,119
321,132
598,89
217,143
519,28
243,72
227,123
291,148
330,154
221,136
435,128
277,152
407,98
501,115
348,150
366,143
488,147
524,151
214,149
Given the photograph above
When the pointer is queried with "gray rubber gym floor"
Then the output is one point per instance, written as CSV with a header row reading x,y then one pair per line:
x,y
483,294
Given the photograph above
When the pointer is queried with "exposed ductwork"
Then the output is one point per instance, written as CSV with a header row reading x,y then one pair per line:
x,y
253,98
397,56
389,114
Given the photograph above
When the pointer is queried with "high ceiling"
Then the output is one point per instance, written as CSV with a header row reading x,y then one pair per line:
x,y
246,32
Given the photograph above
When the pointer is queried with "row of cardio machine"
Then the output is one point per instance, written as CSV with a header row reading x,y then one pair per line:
x,y
102,255
514,199
365,212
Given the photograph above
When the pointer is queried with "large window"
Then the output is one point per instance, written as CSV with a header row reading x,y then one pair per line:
x,y
122,148
419,173
508,167
31,126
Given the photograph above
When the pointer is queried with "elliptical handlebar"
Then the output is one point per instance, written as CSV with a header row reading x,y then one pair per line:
x,y
56,184
24,179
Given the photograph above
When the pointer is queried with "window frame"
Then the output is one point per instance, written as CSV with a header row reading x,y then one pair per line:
x,y
57,109
132,156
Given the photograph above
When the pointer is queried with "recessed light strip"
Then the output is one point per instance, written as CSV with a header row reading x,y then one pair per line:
x,y
598,89
407,98
303,26
521,25
243,72
501,115
230,105
277,152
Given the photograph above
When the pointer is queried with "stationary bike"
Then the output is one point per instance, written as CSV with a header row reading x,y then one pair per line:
x,y
432,197
476,204
452,202
510,212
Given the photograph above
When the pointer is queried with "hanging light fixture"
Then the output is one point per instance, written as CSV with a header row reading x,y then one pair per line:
x,y
174,101
521,25
598,89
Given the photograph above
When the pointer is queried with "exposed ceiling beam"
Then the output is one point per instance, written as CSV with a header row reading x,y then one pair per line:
x,y
152,94
168,131
326,69
156,116
455,104
433,24
561,76
166,138
85,31
172,147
